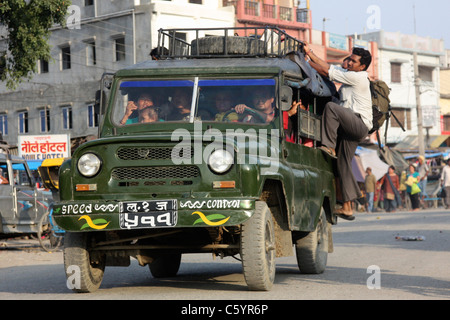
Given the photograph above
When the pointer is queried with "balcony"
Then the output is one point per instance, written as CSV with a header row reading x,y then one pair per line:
x,y
251,12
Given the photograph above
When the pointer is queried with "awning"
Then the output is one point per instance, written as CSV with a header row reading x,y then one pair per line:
x,y
368,158
34,164
412,143
439,141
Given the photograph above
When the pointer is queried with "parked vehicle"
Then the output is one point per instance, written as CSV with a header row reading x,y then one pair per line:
x,y
22,205
196,179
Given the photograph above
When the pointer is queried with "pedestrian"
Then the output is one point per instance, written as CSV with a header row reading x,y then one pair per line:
x,y
412,187
370,185
390,186
346,124
445,183
423,170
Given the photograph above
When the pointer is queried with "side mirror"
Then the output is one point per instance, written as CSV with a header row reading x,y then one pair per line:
x,y
285,98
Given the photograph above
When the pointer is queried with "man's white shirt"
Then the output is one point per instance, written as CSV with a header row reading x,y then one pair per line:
x,y
354,92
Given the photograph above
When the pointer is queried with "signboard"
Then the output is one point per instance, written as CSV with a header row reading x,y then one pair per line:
x,y
41,147
337,41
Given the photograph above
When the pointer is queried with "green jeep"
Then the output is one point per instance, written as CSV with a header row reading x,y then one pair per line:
x,y
180,168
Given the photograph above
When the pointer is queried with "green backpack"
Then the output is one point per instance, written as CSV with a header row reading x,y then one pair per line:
x,y
381,107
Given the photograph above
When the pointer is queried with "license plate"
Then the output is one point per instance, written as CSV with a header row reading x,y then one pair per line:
x,y
148,214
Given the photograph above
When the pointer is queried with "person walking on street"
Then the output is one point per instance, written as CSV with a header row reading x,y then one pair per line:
x,y
423,170
412,187
346,124
445,183
371,185
390,186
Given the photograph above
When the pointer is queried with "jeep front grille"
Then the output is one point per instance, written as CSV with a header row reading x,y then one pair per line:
x,y
164,153
155,173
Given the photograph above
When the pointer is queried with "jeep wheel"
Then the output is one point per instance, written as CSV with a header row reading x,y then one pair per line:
x,y
258,249
84,271
165,266
312,248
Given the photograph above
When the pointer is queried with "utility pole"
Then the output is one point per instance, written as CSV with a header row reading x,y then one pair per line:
x,y
417,86
418,107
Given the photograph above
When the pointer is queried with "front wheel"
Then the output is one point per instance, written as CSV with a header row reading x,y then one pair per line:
x,y
312,248
258,249
84,269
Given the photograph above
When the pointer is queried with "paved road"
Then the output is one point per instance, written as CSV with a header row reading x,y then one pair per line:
x,y
407,269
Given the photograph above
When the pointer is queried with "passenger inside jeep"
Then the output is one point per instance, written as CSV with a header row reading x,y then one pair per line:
x,y
249,101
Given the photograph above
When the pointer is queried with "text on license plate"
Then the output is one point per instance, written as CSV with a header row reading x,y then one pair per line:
x,y
148,214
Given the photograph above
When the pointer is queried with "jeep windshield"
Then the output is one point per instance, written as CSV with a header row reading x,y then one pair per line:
x,y
149,102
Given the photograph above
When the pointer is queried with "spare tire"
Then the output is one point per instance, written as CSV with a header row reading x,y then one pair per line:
x,y
215,45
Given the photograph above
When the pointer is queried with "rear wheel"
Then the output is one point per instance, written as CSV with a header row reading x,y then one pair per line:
x,y
165,266
312,248
258,249
84,270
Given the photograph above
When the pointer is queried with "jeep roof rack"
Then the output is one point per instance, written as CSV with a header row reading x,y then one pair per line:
x,y
226,43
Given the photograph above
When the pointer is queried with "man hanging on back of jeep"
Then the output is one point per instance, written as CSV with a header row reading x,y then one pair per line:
x,y
346,124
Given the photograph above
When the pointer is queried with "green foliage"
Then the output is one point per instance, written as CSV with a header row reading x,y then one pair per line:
x,y
27,23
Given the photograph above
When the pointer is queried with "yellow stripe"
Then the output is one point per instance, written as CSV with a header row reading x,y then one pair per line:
x,y
208,222
91,224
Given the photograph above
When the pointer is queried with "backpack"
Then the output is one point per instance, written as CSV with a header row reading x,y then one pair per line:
x,y
380,103
381,108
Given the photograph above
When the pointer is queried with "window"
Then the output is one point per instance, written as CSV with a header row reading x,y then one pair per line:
x,y
43,66
4,124
158,101
23,122
88,3
446,120
426,73
91,54
65,58
44,117
196,1
396,75
119,47
67,118
92,117
404,117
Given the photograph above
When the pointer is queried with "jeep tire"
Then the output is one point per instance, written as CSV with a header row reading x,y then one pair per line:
x,y
215,45
258,249
89,274
165,266
312,248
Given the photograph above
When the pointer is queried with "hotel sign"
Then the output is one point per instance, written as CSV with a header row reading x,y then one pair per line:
x,y
41,147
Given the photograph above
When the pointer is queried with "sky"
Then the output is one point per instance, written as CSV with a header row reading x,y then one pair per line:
x,y
357,16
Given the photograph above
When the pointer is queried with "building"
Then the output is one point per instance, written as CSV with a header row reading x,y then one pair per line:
x,y
100,37
292,16
396,68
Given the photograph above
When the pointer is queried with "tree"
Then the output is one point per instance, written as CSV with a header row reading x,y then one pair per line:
x,y
27,23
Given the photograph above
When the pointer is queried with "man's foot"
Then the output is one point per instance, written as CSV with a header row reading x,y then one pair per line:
x,y
346,212
346,215
330,151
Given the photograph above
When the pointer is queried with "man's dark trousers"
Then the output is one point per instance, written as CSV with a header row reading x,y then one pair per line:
x,y
343,130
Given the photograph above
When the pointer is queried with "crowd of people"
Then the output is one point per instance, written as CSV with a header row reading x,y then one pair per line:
x,y
409,190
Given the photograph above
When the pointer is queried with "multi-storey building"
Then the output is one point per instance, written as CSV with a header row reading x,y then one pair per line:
x,y
396,68
101,36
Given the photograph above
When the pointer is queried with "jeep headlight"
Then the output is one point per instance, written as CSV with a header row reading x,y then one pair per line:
x,y
89,165
220,161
